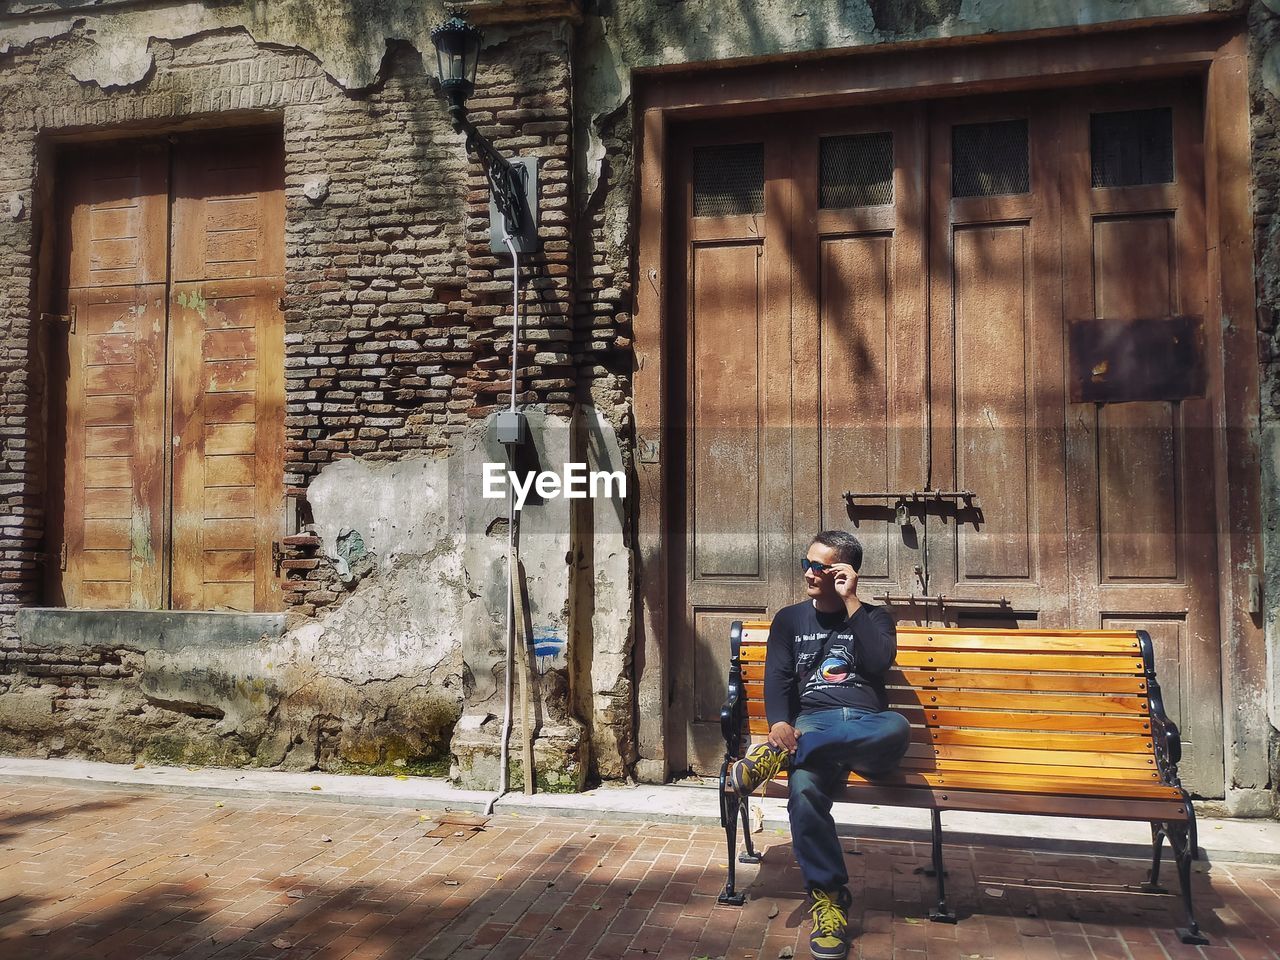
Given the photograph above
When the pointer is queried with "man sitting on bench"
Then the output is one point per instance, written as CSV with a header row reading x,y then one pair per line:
x,y
825,701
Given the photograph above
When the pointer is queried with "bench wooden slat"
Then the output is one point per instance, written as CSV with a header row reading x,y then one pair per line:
x,y
1068,785
979,720
1031,662
984,680
997,661
987,802
1028,642
1072,758
1011,743
1029,769
1087,742
1038,703
1045,702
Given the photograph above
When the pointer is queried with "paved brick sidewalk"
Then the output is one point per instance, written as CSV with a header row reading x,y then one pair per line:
x,y
106,874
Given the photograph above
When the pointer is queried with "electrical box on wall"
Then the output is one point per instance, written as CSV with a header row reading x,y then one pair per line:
x,y
527,241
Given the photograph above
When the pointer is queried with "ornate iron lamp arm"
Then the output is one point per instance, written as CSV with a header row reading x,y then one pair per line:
x,y
505,181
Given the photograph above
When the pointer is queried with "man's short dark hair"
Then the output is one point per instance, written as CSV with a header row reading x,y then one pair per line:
x,y
848,548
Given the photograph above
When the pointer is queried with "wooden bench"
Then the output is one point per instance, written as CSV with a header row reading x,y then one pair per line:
x,y
1039,722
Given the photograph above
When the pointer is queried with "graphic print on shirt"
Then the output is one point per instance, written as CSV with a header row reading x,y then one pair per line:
x,y
836,670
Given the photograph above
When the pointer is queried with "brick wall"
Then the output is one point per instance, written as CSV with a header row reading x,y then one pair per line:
x,y
395,309
396,315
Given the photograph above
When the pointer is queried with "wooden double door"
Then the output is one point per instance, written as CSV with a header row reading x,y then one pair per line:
x,y
879,302
167,457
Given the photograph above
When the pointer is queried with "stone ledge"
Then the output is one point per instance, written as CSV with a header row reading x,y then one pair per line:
x,y
144,630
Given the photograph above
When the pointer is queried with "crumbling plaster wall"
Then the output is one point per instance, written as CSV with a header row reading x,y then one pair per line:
x,y
393,317
1264,92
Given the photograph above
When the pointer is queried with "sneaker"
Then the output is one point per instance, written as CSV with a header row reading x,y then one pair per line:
x,y
830,937
761,764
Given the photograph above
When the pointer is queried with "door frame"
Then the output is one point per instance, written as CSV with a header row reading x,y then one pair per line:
x,y
1212,49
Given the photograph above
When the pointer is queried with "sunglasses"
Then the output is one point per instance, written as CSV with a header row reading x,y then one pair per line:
x,y
814,565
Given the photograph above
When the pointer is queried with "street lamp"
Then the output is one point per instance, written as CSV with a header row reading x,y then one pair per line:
x,y
457,46
457,56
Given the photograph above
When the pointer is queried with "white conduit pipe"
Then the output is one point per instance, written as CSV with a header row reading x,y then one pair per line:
x,y
503,785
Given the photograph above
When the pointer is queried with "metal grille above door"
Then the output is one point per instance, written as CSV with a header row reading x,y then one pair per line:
x,y
1131,147
856,170
728,180
989,159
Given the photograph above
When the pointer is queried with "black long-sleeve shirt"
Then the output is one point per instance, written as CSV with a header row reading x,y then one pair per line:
x,y
851,673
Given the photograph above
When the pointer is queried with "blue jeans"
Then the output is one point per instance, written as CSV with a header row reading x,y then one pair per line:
x,y
834,741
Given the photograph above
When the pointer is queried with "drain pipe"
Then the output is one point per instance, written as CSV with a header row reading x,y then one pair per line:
x,y
503,778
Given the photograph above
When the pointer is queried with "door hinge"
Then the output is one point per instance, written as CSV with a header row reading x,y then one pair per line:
x,y
67,319
62,557
277,555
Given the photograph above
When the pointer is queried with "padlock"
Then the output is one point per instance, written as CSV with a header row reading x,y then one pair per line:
x,y
901,515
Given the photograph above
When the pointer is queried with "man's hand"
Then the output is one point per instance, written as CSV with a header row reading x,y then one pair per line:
x,y
784,735
845,580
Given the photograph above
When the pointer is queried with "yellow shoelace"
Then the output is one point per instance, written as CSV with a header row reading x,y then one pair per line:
x,y
827,916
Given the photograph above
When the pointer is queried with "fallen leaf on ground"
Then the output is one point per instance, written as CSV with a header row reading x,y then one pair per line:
x,y
326,839
398,763
401,776
994,892
315,787
296,894
280,943
786,952
773,910
218,804
138,766
913,920
451,883
42,932
595,906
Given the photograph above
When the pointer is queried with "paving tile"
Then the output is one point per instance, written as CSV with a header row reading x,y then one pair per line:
x,y
105,874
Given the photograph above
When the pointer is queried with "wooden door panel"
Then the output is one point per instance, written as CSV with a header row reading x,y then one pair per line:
x,y
734,463
991,319
858,311
1143,549
112,468
117,200
228,455
228,217
1137,494
727,407
227,346
997,362
855,425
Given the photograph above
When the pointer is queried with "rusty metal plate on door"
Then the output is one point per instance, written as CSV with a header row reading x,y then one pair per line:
x,y
1158,358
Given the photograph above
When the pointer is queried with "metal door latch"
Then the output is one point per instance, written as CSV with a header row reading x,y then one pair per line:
x,y
67,319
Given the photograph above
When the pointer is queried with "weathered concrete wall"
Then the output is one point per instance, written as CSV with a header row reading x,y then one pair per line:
x,y
1264,91
395,316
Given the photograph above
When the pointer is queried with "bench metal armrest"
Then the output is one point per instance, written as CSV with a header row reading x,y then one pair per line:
x,y
731,712
1166,740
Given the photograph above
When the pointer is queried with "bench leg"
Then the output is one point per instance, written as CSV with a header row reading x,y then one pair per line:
x,y
1180,839
1157,851
749,855
940,913
729,819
